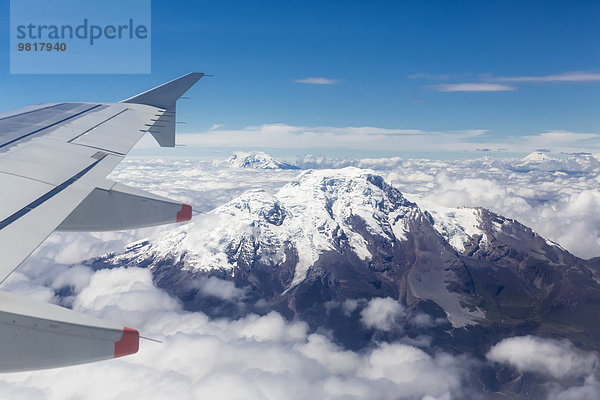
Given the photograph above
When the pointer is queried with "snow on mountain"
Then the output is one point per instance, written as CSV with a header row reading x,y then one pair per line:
x,y
332,235
457,225
350,216
537,156
257,160
314,213
322,205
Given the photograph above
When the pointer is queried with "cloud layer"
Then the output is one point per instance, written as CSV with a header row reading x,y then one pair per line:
x,y
267,357
369,138
256,357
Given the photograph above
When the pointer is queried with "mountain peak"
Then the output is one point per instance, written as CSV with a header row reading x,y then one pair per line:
x,y
319,211
257,160
349,234
537,156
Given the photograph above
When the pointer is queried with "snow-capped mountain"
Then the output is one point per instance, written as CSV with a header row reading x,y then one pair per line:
x,y
333,236
257,160
537,156
314,213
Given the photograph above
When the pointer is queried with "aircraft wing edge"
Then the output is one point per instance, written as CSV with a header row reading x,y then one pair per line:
x,y
38,335
119,207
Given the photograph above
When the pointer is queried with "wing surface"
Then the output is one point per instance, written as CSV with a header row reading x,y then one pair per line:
x,y
54,159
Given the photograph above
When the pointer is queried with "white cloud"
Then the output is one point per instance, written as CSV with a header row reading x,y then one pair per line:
x,y
124,295
282,136
422,320
472,87
574,76
589,390
435,77
349,305
318,81
256,357
557,198
382,313
413,369
559,359
405,140
219,288
561,137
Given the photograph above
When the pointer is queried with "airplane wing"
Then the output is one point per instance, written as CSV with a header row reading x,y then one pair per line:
x,y
54,159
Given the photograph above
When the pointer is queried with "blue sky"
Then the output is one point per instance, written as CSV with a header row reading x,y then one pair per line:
x,y
533,68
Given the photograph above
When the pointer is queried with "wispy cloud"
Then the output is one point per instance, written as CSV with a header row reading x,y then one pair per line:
x,y
555,358
560,137
318,81
574,76
369,138
353,137
472,87
435,77
491,83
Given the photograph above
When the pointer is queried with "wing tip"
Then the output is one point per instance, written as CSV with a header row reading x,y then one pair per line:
x,y
185,214
166,95
129,343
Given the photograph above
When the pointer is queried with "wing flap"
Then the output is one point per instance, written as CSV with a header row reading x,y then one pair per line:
x,y
54,162
119,132
163,130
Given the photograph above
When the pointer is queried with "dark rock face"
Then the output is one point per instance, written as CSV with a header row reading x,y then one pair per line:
x,y
521,277
507,282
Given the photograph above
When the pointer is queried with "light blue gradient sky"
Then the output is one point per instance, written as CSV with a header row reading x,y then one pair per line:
x,y
393,65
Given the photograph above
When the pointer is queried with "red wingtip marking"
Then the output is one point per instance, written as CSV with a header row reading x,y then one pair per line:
x,y
185,214
129,343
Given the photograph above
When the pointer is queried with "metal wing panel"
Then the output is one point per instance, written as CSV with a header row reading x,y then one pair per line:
x,y
25,126
36,335
44,178
23,230
54,163
119,133
24,110
76,127
53,156
120,207
18,191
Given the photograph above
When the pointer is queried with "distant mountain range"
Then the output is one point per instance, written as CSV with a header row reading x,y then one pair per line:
x,y
330,240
